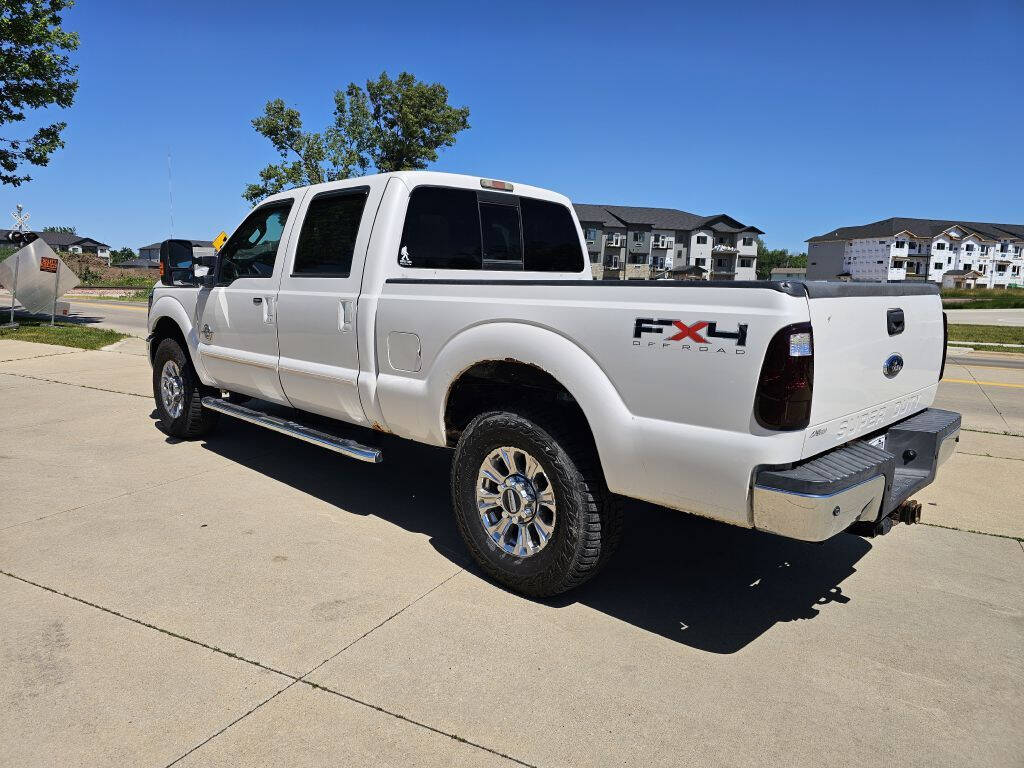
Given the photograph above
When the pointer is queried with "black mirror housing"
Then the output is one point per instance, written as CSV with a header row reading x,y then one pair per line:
x,y
177,263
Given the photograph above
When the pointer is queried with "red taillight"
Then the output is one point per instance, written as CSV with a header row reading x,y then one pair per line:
x,y
783,398
945,342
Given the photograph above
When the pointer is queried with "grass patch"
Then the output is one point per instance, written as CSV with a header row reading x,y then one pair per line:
x,y
64,334
980,293
141,296
984,298
120,281
997,302
996,334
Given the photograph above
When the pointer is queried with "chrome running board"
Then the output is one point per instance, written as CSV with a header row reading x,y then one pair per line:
x,y
341,445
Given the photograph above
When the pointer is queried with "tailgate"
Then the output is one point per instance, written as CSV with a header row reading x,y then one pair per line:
x,y
862,331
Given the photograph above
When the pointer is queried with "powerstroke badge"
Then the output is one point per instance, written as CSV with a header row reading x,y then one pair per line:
x,y
697,335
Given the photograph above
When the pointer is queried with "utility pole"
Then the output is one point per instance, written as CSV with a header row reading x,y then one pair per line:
x,y
17,235
170,191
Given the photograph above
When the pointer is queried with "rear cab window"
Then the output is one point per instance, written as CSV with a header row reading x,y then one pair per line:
x,y
449,228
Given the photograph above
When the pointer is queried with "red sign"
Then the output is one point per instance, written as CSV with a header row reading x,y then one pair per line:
x,y
47,264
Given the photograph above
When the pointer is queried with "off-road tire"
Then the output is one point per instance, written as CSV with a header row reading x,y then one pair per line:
x,y
589,519
194,420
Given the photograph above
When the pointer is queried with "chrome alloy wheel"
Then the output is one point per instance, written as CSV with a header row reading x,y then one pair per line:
x,y
516,501
172,389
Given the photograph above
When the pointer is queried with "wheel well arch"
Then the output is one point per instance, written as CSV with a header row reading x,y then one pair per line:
x,y
507,384
167,328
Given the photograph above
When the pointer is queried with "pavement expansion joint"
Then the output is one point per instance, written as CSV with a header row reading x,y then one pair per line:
x,y
69,384
238,719
146,624
292,678
1018,539
374,629
382,710
37,357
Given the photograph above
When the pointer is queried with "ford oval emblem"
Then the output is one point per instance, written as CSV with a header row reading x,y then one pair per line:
x,y
892,366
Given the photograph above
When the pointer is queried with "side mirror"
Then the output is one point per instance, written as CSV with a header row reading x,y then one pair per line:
x,y
206,269
177,264
183,265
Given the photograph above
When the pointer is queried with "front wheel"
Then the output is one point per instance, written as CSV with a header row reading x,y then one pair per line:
x,y
179,393
531,503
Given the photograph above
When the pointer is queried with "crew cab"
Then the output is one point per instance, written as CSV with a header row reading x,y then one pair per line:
x,y
458,311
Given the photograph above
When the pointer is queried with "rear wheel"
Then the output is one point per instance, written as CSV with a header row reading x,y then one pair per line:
x,y
179,393
531,503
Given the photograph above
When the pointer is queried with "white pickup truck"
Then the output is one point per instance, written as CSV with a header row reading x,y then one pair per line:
x,y
458,311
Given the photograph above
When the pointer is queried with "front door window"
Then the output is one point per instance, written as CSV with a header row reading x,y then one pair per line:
x,y
252,249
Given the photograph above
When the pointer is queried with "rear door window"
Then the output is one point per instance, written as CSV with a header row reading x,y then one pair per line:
x,y
328,237
550,238
442,230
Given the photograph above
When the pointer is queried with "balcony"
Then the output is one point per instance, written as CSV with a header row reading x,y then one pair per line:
x,y
724,248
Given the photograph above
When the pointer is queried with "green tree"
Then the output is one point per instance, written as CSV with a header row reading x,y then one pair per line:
x,y
772,258
63,230
35,72
122,255
391,125
798,261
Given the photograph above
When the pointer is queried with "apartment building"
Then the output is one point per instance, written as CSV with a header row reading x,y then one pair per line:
x,y
920,249
632,243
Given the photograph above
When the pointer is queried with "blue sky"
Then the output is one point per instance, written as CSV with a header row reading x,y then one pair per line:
x,y
795,118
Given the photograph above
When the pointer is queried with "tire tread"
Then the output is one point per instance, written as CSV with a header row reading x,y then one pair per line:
x,y
601,526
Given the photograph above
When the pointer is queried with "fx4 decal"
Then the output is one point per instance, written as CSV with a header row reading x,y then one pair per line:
x,y
700,332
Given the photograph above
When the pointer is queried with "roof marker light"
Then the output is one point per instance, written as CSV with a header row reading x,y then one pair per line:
x,y
504,186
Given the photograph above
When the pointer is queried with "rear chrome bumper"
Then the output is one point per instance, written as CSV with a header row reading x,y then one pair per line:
x,y
818,498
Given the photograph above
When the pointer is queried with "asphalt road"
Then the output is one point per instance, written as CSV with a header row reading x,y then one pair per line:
x,y
991,362
123,316
1013,317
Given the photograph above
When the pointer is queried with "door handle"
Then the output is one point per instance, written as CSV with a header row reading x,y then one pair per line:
x,y
257,299
346,313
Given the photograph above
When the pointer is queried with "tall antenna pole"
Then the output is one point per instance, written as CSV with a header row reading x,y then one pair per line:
x,y
170,190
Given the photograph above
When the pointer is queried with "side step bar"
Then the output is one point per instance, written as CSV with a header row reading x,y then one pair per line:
x,y
341,445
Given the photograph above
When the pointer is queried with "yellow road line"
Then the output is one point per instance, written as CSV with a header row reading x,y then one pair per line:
x,y
984,383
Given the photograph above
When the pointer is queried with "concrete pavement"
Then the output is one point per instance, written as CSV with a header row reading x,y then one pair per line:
x,y
252,600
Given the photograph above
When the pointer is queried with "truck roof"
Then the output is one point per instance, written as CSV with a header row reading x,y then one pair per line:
x,y
429,178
